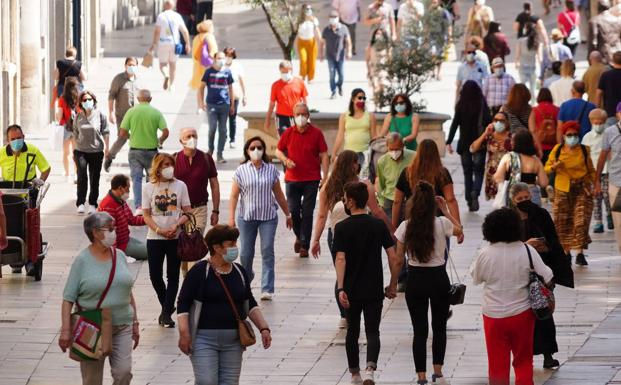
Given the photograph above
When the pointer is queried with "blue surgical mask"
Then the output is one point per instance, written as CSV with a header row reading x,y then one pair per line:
x,y
17,144
131,70
572,140
88,105
231,254
598,128
499,126
400,107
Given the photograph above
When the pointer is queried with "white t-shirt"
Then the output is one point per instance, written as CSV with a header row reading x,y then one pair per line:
x,y
594,141
409,15
165,200
443,228
504,269
386,11
561,90
237,71
170,23
306,30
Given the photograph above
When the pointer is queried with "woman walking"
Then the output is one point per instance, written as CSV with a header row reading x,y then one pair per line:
x,y
471,116
65,113
568,21
573,191
165,199
503,267
90,132
214,346
332,210
90,272
256,188
376,54
402,119
522,165
307,42
497,141
423,238
479,18
204,49
517,107
527,56
495,43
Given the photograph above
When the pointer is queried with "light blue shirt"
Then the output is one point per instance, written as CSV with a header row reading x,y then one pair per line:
x,y
477,72
612,142
256,200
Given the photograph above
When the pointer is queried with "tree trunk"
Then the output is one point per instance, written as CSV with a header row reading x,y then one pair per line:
x,y
285,48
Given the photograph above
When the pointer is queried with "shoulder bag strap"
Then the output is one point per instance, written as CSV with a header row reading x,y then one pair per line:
x,y
530,258
110,278
228,295
584,106
171,30
566,16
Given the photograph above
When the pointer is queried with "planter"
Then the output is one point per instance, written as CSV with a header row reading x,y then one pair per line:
x,y
430,127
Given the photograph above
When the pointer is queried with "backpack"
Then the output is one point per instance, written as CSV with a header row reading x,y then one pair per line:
x,y
546,131
206,59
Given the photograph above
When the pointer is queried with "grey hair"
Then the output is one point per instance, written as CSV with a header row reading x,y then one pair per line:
x,y
518,188
303,105
393,137
97,220
144,95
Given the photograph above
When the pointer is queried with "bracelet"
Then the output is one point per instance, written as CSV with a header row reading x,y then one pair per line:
x,y
264,329
215,211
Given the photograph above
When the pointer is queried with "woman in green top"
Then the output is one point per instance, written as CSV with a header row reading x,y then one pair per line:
x,y
403,120
356,126
88,277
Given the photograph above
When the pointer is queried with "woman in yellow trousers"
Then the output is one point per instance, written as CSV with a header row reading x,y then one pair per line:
x,y
307,43
205,34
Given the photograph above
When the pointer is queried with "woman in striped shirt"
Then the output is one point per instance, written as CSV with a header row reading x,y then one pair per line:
x,y
257,189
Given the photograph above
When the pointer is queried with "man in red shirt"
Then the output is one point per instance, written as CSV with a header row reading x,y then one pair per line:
x,y
197,170
303,150
115,204
285,95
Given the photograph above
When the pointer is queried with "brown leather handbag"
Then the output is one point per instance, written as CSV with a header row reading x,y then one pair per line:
x,y
246,332
191,246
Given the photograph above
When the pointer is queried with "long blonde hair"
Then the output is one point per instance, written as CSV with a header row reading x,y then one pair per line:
x,y
205,26
156,165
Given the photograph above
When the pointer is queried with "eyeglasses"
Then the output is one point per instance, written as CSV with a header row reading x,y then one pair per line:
x,y
571,135
361,98
252,148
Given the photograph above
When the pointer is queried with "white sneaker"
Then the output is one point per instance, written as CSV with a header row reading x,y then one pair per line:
x,y
368,377
265,296
80,209
439,380
139,211
91,209
356,379
343,324
69,178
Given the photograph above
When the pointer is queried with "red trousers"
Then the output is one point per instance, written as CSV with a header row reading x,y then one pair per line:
x,y
506,336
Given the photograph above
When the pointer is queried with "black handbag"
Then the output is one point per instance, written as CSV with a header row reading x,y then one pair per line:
x,y
457,291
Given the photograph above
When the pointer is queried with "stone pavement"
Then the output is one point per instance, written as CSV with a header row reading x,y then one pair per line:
x,y
308,348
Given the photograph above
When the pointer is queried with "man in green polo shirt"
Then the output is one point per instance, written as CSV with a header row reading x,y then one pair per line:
x,y
140,124
389,167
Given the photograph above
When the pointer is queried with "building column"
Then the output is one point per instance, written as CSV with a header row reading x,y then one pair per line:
x,y
31,79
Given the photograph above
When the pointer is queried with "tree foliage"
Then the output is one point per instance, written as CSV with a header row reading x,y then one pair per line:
x,y
282,17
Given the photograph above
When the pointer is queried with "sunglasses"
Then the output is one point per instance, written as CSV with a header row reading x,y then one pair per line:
x,y
361,98
499,120
252,148
87,99
571,135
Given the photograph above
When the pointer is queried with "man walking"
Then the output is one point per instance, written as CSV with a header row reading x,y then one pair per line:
x,y
358,243
389,167
497,85
167,38
123,92
140,124
303,150
349,15
380,14
218,80
198,171
576,109
285,94
593,74
609,89
204,10
335,46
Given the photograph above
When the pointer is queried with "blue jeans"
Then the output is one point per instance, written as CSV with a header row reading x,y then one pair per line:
x,y
216,357
301,199
233,123
336,68
474,169
248,236
139,163
217,115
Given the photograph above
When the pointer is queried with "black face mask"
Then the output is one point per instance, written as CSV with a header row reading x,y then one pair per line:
x,y
525,206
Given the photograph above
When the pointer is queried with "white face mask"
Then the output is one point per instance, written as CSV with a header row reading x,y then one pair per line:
x,y
480,2
396,154
190,143
168,172
300,120
499,72
256,154
598,128
334,21
286,76
125,196
109,238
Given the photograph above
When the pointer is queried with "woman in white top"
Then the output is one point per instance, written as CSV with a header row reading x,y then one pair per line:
x,y
508,319
307,42
424,238
164,201
239,90
331,207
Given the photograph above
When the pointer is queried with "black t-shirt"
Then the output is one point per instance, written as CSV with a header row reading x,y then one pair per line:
x,y
610,84
522,19
404,185
67,68
361,238
448,5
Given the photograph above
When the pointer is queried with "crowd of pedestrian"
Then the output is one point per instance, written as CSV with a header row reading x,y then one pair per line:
x,y
521,144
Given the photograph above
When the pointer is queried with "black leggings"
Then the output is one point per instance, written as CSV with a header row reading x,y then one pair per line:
x,y
372,310
157,250
428,285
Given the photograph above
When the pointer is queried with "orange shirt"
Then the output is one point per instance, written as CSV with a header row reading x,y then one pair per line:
x,y
287,95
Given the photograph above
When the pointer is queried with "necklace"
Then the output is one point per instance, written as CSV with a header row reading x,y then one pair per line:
x,y
223,271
